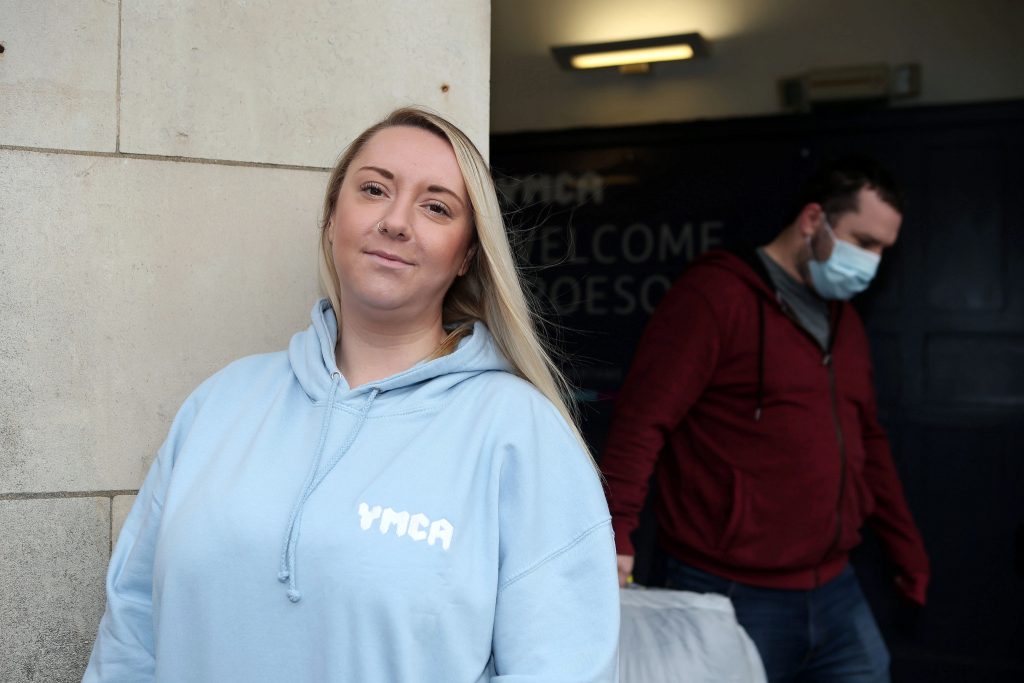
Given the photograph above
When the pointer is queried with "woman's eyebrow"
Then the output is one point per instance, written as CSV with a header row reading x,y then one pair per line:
x,y
441,188
383,171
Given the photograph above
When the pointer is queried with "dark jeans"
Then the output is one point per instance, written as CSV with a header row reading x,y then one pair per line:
x,y
823,635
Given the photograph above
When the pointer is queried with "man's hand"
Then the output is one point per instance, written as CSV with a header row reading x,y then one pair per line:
x,y
625,563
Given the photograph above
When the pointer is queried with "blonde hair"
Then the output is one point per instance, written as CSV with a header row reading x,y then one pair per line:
x,y
492,289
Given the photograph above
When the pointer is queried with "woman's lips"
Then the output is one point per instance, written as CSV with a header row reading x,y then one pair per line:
x,y
389,259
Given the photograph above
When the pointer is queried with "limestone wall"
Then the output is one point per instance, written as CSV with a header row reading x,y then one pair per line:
x,y
162,164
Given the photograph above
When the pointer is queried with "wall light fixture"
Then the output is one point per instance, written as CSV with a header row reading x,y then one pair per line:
x,y
632,56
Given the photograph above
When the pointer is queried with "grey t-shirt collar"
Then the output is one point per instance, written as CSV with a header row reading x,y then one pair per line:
x,y
810,310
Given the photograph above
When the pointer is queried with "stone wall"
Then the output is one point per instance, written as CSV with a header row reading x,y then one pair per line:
x,y
161,170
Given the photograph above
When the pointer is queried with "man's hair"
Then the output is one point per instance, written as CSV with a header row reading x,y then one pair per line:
x,y
837,183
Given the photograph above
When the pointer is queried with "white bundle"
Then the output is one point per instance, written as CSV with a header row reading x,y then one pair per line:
x,y
671,636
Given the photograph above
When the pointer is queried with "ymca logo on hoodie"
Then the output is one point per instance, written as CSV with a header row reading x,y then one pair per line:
x,y
418,526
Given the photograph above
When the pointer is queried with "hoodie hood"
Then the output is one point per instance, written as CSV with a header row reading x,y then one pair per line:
x,y
743,264
311,355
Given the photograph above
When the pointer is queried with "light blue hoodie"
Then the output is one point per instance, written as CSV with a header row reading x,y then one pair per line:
x,y
440,525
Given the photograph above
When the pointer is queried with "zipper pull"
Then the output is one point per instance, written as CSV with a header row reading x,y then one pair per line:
x,y
826,359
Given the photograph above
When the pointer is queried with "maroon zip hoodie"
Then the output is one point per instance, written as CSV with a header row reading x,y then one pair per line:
x,y
768,453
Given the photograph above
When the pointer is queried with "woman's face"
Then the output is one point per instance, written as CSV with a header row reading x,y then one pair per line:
x,y
402,227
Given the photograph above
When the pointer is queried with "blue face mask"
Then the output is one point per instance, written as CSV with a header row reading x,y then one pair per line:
x,y
847,271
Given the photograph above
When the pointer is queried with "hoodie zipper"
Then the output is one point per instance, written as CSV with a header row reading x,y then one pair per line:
x,y
826,361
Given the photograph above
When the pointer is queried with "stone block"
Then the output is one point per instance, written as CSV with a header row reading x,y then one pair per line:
x,y
53,558
127,282
58,74
259,81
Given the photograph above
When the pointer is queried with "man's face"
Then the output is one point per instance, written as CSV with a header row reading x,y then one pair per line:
x,y
864,234
873,227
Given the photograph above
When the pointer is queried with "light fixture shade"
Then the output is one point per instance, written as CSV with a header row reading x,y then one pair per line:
x,y
630,52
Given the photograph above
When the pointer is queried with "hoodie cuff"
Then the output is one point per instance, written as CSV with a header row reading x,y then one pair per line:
x,y
623,546
913,586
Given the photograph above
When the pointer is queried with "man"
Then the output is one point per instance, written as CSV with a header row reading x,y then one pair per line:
x,y
752,398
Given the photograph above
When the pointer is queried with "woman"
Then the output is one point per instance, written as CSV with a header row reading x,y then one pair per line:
x,y
402,495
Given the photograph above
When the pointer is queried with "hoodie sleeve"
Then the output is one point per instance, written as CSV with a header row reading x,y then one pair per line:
x,y
557,610
124,648
672,366
891,518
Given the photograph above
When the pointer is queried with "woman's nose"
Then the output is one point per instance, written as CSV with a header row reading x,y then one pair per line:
x,y
397,222
392,231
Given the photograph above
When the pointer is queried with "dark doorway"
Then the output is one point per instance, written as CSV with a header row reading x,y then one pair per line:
x,y
606,219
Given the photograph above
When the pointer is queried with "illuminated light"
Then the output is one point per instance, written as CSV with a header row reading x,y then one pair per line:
x,y
648,55
632,56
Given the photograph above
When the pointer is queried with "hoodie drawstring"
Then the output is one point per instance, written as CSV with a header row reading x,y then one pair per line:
x,y
760,360
288,568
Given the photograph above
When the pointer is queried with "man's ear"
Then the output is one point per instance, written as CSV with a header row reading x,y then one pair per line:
x,y
470,255
809,219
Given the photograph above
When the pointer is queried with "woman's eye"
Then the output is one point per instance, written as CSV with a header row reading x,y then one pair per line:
x,y
439,208
373,189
